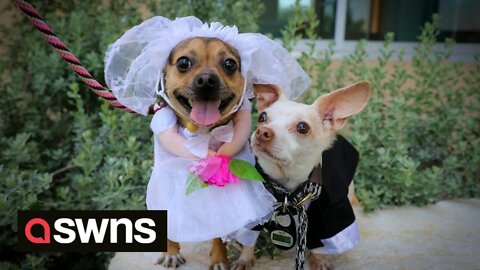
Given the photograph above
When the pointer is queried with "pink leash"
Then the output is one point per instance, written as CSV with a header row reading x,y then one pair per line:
x,y
71,60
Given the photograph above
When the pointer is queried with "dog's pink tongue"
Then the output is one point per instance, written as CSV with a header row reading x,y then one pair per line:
x,y
205,112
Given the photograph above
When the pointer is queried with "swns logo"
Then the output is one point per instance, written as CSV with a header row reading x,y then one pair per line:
x,y
84,231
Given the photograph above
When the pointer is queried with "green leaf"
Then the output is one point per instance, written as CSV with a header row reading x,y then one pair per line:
x,y
194,183
245,170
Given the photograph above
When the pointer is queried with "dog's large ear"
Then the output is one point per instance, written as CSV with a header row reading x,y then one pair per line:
x,y
337,106
266,94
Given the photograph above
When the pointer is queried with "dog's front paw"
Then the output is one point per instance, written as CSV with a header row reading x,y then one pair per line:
x,y
319,262
170,261
219,266
241,264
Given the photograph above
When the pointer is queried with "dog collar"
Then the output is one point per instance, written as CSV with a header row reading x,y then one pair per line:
x,y
300,195
293,203
161,92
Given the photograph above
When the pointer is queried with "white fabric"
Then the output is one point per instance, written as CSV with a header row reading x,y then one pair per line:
x,y
209,212
341,242
134,63
198,145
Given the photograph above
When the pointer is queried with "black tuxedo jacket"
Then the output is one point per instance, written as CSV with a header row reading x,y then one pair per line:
x,y
332,212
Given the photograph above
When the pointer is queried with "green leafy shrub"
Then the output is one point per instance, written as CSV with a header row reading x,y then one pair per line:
x,y
64,149
419,135
244,14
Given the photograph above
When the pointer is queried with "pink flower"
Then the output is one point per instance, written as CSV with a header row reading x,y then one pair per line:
x,y
214,170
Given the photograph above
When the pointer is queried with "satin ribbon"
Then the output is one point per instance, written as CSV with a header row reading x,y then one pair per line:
x,y
198,144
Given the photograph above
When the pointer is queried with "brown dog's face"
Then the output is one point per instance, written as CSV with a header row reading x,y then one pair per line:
x,y
203,80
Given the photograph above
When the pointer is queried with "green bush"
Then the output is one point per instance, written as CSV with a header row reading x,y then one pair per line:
x,y
244,14
63,149
419,135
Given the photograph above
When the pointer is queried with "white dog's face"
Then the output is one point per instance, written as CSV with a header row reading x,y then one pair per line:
x,y
291,136
290,133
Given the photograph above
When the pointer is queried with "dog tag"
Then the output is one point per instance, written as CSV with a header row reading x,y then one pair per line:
x,y
282,240
282,230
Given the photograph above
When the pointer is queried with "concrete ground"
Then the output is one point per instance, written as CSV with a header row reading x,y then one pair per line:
x,y
441,236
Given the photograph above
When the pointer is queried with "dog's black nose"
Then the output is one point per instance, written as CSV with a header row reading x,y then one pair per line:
x,y
207,86
207,80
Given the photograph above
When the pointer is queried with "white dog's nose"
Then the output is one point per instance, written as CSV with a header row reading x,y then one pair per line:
x,y
264,134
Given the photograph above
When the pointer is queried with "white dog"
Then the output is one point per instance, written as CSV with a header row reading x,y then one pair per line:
x,y
289,142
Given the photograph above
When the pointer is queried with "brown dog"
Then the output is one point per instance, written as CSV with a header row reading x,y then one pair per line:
x,y
203,82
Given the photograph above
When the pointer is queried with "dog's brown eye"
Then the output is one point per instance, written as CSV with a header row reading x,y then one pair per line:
x,y
230,65
303,128
184,64
262,117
